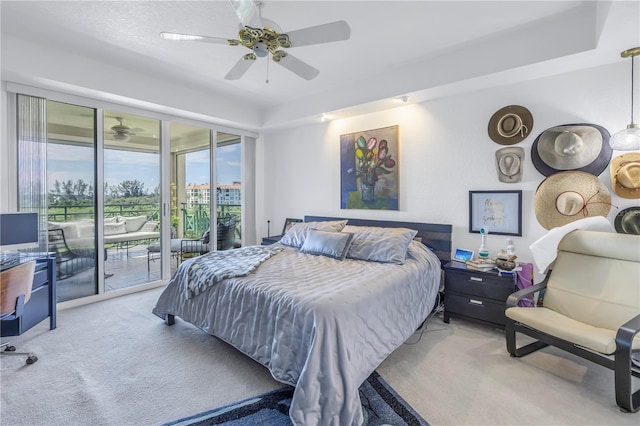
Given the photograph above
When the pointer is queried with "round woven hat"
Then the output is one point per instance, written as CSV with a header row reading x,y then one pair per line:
x,y
565,197
628,221
509,163
582,147
625,175
510,125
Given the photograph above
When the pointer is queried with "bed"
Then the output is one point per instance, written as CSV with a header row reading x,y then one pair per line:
x,y
317,318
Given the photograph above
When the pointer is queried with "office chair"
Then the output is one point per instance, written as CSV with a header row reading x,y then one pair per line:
x,y
15,292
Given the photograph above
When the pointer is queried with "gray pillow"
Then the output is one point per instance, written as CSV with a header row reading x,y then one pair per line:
x,y
296,235
387,245
325,243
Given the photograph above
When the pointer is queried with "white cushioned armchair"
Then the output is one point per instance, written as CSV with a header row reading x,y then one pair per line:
x,y
590,307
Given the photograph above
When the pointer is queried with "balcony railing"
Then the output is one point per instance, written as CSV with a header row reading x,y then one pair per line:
x,y
195,217
71,212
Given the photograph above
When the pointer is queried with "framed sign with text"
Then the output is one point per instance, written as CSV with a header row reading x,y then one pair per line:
x,y
499,212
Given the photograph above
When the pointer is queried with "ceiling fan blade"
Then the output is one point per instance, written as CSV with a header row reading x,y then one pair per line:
x,y
191,37
239,69
298,67
325,33
247,12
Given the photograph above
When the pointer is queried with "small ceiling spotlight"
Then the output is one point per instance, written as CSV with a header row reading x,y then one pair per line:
x,y
325,117
403,99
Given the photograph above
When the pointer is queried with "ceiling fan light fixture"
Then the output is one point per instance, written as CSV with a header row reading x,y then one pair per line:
x,y
628,139
260,49
123,137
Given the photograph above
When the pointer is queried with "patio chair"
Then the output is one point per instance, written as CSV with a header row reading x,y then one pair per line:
x,y
69,261
183,248
226,235
153,251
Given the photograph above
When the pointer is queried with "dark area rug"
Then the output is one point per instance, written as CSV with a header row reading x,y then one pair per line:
x,y
380,403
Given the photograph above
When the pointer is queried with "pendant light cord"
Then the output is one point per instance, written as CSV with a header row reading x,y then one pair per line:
x,y
632,75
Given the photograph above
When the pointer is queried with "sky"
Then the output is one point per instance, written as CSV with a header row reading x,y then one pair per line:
x,y
66,162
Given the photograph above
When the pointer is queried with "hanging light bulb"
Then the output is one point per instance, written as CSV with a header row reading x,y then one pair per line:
x,y
628,139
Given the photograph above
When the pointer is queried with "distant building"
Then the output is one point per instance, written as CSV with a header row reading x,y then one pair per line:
x,y
201,194
198,194
229,194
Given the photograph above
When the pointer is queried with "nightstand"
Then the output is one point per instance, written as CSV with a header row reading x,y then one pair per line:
x,y
267,241
476,295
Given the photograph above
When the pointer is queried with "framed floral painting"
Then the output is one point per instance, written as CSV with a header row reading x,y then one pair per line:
x,y
369,169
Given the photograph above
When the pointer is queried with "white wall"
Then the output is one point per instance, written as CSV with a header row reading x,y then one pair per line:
x,y
445,151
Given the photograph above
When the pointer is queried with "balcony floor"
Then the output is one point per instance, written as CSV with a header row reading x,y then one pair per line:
x,y
123,269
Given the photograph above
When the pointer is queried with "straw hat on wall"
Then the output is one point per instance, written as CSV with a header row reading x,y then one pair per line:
x,y
625,175
582,147
565,197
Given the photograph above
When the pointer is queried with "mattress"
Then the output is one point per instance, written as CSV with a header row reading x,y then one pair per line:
x,y
317,323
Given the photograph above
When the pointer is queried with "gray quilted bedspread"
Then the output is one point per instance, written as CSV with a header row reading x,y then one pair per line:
x,y
317,323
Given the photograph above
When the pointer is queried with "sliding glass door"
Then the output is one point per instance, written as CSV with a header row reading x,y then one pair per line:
x,y
131,187
120,184
71,178
228,191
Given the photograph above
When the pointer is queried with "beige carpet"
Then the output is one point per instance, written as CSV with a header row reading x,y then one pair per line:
x,y
115,363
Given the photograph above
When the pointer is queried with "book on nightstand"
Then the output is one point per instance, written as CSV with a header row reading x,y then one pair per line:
x,y
481,264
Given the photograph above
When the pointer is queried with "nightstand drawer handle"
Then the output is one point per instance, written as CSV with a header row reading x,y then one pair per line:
x,y
475,302
475,279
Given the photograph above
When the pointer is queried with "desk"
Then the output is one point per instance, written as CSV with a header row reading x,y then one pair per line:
x,y
43,294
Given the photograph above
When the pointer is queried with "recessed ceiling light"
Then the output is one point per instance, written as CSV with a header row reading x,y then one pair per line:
x,y
404,99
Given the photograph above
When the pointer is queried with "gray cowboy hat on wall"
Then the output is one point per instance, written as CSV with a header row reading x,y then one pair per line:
x,y
581,147
509,163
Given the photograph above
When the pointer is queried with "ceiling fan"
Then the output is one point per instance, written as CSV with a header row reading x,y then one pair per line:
x,y
122,132
263,37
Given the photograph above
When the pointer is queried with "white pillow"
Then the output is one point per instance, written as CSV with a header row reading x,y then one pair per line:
x,y
331,244
114,228
149,226
296,235
387,245
85,230
70,229
134,223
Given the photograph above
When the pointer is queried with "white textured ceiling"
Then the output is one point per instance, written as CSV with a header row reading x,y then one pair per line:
x,y
396,47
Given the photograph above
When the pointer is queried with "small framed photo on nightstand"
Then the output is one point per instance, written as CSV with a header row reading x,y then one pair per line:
x,y
462,255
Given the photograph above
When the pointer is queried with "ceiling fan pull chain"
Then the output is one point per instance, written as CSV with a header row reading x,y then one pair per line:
x,y
267,81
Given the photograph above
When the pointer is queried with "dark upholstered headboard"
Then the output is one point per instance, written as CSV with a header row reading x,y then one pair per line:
x,y
433,235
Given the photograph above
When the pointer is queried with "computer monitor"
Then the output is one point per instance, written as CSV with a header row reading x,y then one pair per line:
x,y
18,231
